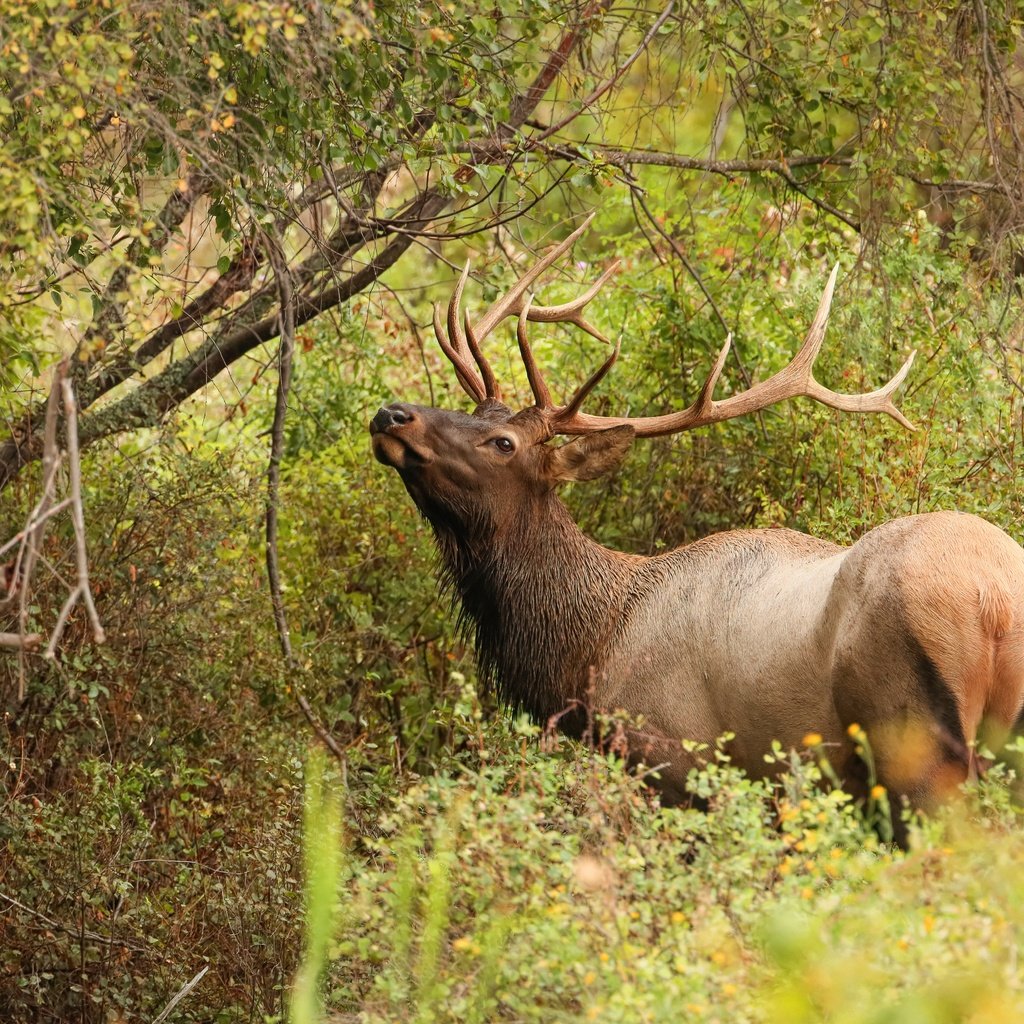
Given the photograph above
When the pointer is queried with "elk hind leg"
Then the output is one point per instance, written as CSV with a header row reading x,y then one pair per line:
x,y
915,736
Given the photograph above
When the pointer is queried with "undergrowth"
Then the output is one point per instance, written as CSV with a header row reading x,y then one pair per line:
x,y
521,885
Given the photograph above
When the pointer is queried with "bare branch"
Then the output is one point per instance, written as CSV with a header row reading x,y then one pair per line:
x,y
179,995
83,589
285,355
524,105
20,641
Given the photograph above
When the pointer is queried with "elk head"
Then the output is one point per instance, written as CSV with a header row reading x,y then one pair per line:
x,y
484,471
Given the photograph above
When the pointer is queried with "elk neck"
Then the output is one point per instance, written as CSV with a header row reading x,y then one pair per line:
x,y
542,602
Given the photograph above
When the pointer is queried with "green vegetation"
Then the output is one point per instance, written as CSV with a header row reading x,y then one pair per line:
x,y
169,177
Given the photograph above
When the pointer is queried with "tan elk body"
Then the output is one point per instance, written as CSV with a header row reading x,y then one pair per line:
x,y
915,632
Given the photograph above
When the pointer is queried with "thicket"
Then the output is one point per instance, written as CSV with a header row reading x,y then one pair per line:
x,y
457,865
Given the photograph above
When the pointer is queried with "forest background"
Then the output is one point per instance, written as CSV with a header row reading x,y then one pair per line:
x,y
200,203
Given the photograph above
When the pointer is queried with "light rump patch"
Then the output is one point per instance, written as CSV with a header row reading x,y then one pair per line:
x,y
962,581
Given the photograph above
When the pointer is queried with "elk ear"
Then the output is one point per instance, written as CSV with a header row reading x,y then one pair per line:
x,y
591,455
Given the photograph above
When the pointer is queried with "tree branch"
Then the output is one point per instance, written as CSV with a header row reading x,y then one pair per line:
x,y
285,355
588,101
524,105
154,398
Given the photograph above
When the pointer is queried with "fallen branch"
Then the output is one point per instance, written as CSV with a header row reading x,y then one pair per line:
x,y
179,995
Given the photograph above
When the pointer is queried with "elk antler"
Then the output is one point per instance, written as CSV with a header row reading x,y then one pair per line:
x,y
460,346
793,380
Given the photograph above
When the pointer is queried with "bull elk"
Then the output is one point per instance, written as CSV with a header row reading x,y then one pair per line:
x,y
915,632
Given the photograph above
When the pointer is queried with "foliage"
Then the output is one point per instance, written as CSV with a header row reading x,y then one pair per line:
x,y
170,175
153,160
509,886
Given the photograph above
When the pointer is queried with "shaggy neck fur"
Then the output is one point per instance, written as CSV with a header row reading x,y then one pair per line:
x,y
541,600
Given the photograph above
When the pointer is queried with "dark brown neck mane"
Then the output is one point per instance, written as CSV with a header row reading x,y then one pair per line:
x,y
540,599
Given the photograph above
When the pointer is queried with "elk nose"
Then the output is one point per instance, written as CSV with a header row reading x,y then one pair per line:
x,y
391,416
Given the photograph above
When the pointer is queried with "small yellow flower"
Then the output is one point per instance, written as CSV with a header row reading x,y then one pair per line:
x,y
589,978
877,792
854,731
812,739
79,111
603,957
678,917
929,924
806,893
728,989
462,943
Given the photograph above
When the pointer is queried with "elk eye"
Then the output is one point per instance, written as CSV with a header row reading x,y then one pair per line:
x,y
504,444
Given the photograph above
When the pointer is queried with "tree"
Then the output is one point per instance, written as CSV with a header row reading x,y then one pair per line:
x,y
172,177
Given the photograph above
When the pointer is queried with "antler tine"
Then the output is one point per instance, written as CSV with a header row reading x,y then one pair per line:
x,y
705,399
491,386
803,369
570,312
458,340
572,408
794,379
541,395
469,381
509,303
804,359
872,401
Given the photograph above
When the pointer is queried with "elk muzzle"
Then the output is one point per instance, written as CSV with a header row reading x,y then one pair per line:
x,y
394,435
389,416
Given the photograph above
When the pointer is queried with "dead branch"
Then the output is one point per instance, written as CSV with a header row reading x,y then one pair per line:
x,y
29,540
19,641
82,590
179,995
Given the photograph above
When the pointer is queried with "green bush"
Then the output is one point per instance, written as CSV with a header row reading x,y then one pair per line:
x,y
512,885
